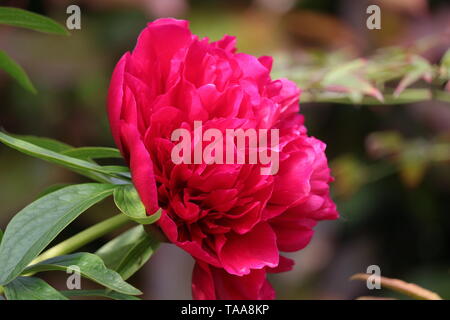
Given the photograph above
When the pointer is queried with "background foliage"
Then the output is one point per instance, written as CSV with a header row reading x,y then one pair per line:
x,y
391,161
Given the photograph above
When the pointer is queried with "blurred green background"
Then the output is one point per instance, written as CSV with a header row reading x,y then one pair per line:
x,y
394,205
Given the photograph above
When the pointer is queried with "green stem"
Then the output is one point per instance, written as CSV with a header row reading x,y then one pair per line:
x,y
84,237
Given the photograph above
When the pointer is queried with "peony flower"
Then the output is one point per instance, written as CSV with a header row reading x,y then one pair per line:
x,y
232,219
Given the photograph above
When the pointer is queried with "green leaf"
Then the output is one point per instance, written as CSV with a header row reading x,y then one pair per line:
x,y
25,19
98,293
445,65
1,235
128,252
16,72
53,188
90,266
418,68
35,226
83,167
117,169
120,171
349,78
29,288
128,201
46,143
93,153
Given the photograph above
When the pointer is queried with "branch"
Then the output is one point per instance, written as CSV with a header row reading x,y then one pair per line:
x,y
407,96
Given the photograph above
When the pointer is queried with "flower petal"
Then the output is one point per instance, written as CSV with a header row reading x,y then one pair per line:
x,y
141,166
214,283
253,250
115,98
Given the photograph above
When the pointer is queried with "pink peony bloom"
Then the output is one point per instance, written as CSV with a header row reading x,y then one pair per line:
x,y
233,220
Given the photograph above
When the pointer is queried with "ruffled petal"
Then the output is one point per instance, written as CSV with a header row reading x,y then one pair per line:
x,y
141,166
115,98
253,250
214,283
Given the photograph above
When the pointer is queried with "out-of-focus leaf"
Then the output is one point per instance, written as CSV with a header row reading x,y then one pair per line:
x,y
387,64
384,144
25,19
349,78
413,162
29,288
93,153
128,201
341,78
439,151
350,175
1,235
410,289
16,71
444,70
35,226
90,266
410,157
98,293
419,68
342,71
128,252
412,172
407,96
445,65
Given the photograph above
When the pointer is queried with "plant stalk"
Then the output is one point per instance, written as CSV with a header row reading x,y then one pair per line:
x,y
84,237
407,96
